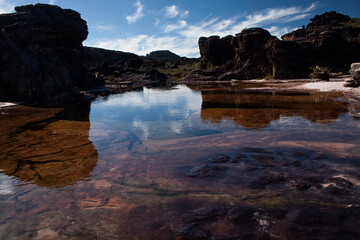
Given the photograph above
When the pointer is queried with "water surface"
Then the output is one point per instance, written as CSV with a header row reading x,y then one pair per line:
x,y
123,167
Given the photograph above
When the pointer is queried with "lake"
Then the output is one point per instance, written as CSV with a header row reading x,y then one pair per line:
x,y
189,162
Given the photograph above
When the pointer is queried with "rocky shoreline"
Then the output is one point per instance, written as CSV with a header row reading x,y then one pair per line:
x,y
78,178
255,53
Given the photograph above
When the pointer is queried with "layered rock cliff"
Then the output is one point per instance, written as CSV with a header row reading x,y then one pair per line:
x,y
42,55
330,40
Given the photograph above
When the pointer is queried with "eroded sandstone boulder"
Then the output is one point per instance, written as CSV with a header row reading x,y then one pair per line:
x,y
42,55
330,40
355,75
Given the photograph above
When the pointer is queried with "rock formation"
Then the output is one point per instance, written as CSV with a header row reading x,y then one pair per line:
x,y
355,76
122,71
330,40
42,55
163,55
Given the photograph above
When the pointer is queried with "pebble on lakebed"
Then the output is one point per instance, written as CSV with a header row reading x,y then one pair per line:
x,y
293,170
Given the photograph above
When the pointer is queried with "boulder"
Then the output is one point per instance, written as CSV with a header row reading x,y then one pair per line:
x,y
42,55
330,40
355,75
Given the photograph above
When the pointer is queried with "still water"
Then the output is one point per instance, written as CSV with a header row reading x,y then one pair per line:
x,y
131,166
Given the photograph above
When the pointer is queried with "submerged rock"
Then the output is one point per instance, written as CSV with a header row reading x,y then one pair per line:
x,y
248,222
219,159
206,171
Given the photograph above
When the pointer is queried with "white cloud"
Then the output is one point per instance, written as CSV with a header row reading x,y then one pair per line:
x,y
103,28
185,14
137,15
172,27
174,11
297,17
182,37
143,44
6,6
279,31
52,2
171,11
6,185
180,103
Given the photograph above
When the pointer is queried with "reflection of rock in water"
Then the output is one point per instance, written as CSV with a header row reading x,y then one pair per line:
x,y
77,112
53,155
257,109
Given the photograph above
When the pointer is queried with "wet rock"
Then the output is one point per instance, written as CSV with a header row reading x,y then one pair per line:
x,y
319,216
256,150
249,222
341,182
238,157
242,214
293,163
300,154
302,183
277,212
334,190
191,232
262,157
338,186
251,169
206,171
323,222
262,182
219,159
321,157
218,222
206,213
264,160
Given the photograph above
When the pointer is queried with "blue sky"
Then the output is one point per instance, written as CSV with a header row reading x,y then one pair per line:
x,y
142,26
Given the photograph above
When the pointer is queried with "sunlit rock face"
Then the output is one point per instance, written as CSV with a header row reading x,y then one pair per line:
x,y
42,59
355,75
53,155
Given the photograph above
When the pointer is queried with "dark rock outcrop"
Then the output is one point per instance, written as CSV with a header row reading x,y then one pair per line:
x,y
248,222
42,55
97,56
163,55
215,51
330,40
328,18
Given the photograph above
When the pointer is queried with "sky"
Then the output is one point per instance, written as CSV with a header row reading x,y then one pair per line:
x,y
142,26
